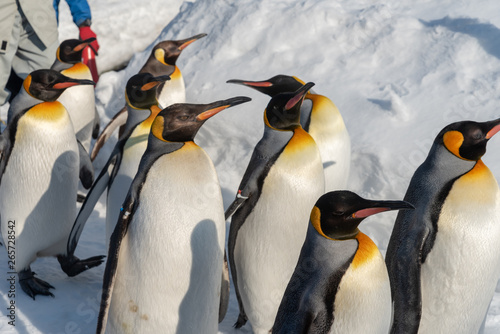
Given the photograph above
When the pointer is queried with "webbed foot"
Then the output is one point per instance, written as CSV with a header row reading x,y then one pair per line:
x,y
33,286
242,320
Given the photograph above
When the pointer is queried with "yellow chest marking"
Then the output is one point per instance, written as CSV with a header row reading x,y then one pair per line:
x,y
190,145
47,112
141,131
477,186
325,116
367,250
300,140
176,75
321,103
78,71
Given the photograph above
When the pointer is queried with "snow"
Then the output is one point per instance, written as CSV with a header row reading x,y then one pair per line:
x,y
399,71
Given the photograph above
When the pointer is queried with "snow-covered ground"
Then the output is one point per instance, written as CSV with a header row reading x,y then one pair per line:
x,y
399,71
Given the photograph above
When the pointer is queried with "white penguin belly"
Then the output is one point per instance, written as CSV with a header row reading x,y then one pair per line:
x,y
172,92
335,150
330,134
170,264
363,300
461,271
38,188
80,103
269,242
121,184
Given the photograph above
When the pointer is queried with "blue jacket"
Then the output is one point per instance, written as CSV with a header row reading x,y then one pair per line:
x,y
80,10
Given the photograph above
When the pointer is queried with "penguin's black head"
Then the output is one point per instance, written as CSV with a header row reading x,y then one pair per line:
x,y
141,90
167,52
467,140
181,121
70,50
337,214
274,86
283,111
48,85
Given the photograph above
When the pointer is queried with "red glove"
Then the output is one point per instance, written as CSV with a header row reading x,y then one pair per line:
x,y
86,33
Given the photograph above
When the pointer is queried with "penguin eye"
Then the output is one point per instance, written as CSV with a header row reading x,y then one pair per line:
x,y
338,213
478,135
183,118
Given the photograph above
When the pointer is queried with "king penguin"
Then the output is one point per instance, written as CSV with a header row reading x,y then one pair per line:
x,y
444,257
121,167
340,283
40,167
79,101
162,61
166,252
322,120
280,185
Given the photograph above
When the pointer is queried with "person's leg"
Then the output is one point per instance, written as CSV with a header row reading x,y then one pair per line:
x,y
31,53
14,85
10,29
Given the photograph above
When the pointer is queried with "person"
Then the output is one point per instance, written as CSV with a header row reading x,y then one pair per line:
x,y
28,40
80,11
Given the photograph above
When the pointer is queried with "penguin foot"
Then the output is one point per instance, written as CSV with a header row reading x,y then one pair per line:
x,y
33,286
73,266
242,320
80,197
95,130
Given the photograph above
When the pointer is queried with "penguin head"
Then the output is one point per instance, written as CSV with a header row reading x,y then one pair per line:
x,y
70,50
181,121
141,90
283,111
273,86
48,85
167,52
337,214
467,140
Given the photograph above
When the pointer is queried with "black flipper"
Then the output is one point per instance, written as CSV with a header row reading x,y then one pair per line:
x,y
263,157
86,168
414,234
406,269
101,183
119,233
97,125
224,293
7,139
118,120
233,207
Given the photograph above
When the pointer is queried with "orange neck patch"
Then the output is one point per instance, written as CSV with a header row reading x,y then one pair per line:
x,y
160,56
302,82
176,75
316,222
452,141
366,250
27,84
157,127
148,122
